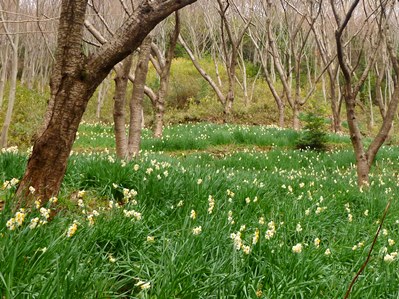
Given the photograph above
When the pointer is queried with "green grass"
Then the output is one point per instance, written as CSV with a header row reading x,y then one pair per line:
x,y
187,137
271,182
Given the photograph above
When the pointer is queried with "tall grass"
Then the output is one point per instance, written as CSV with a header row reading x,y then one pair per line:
x,y
288,196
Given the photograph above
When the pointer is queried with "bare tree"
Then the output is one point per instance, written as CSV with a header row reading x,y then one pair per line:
x,y
136,101
74,79
162,62
325,44
234,24
351,86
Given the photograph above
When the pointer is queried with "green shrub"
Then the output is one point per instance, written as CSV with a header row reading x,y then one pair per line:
x,y
314,136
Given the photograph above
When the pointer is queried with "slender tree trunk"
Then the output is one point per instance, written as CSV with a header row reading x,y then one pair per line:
x,y
25,67
3,75
334,102
136,102
371,123
100,99
121,81
13,87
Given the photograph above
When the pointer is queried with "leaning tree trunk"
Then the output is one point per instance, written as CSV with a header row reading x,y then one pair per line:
x,y
121,81
74,80
136,102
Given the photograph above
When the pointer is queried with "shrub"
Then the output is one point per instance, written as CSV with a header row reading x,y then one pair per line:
x,y
314,136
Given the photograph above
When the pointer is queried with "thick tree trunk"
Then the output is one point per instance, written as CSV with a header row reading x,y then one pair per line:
x,y
296,124
121,81
74,79
228,105
136,102
363,170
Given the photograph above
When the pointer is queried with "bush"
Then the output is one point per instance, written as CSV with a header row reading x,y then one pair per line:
x,y
314,136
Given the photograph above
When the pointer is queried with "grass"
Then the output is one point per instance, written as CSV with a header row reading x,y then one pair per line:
x,y
292,197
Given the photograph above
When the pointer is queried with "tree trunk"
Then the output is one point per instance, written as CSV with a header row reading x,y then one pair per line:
x,y
363,170
136,102
74,80
281,115
100,99
3,75
335,107
295,117
121,81
362,163
159,110
12,91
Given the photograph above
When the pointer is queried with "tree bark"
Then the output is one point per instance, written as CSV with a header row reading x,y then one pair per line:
x,y
75,77
136,101
163,65
121,81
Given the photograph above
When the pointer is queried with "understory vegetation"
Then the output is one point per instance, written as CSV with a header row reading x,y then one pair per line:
x,y
208,211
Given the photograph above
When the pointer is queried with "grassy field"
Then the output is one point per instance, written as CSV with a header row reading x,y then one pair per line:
x,y
209,211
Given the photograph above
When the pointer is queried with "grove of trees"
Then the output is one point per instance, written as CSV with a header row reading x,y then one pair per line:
x,y
343,53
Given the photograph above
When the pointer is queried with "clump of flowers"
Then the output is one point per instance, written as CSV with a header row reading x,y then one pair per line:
x,y
230,194
197,230
136,215
230,218
246,249
72,229
45,213
10,184
17,220
211,202
81,193
34,222
129,195
271,230
236,237
143,285
90,218
297,248
193,214
388,258
255,238
32,190
298,228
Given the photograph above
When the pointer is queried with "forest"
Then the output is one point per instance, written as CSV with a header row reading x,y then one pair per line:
x,y
199,148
